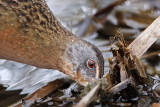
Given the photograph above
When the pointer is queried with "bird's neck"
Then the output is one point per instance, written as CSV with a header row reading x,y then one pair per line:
x,y
29,33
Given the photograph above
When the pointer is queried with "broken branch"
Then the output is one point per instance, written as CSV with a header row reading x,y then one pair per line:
x,y
140,45
41,93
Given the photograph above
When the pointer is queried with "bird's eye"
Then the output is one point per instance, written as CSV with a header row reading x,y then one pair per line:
x,y
91,63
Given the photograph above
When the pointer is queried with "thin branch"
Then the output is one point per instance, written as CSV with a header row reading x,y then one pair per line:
x,y
119,87
150,54
89,97
105,11
41,93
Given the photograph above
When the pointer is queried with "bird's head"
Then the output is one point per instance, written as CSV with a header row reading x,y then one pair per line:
x,y
83,62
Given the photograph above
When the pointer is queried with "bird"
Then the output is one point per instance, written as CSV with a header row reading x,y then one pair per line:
x,y
30,34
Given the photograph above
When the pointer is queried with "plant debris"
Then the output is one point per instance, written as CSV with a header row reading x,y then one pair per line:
x,y
126,73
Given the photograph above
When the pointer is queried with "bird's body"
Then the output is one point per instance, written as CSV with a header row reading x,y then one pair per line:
x,y
29,33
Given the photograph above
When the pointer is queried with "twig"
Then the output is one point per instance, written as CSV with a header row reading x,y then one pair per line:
x,y
105,11
119,87
109,8
119,104
89,97
42,92
150,54
140,45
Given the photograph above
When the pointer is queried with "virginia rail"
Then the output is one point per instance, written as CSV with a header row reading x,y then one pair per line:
x,y
29,33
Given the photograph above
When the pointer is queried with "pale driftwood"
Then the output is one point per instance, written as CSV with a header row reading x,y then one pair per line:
x,y
140,45
89,97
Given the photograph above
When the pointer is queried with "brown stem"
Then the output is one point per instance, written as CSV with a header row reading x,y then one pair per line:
x,y
41,93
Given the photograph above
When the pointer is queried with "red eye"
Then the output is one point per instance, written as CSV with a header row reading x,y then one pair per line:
x,y
91,63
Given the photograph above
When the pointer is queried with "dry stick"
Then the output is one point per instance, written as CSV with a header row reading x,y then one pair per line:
x,y
119,104
119,87
42,92
140,45
89,97
151,54
105,11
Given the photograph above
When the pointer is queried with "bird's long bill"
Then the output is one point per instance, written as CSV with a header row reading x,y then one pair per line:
x,y
97,72
82,79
